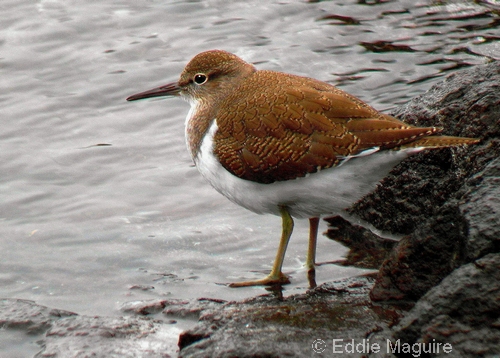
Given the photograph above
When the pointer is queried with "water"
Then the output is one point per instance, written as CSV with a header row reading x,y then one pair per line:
x,y
99,201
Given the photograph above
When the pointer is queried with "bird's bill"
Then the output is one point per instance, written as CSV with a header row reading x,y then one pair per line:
x,y
171,89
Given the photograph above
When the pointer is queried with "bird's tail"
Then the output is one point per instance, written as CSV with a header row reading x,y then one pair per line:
x,y
440,142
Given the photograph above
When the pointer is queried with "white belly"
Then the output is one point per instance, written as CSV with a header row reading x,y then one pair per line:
x,y
329,191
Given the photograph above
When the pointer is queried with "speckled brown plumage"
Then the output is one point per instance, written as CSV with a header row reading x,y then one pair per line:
x,y
286,127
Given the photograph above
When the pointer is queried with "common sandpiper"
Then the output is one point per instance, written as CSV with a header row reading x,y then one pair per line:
x,y
288,145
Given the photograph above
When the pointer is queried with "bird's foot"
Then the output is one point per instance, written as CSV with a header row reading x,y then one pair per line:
x,y
270,280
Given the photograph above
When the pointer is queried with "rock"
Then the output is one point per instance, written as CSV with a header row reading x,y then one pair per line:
x,y
27,316
465,104
85,336
454,219
422,260
296,326
172,307
144,307
464,311
481,210
66,334
461,232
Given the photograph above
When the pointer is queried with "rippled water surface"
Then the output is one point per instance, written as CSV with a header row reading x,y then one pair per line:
x,y
99,201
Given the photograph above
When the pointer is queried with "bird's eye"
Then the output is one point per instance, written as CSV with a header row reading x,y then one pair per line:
x,y
200,78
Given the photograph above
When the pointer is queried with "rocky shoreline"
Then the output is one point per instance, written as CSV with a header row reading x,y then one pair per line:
x,y
437,289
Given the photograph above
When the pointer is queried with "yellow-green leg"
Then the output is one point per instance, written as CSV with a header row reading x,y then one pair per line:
x,y
313,238
276,276
311,251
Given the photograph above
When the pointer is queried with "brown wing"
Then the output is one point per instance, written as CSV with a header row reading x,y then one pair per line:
x,y
299,127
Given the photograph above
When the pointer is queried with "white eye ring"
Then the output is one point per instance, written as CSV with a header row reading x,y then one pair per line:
x,y
200,78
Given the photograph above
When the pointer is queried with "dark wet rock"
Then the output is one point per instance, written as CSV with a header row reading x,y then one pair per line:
x,y
447,200
422,260
267,326
460,232
465,104
481,210
464,311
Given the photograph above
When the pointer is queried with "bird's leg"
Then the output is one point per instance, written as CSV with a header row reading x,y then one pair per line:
x,y
276,276
311,251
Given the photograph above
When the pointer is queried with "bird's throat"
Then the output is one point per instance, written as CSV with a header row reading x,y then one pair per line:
x,y
198,121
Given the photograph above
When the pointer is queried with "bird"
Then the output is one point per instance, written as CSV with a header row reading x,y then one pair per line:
x,y
292,146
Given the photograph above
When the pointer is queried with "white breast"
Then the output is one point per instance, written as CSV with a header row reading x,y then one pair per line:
x,y
326,192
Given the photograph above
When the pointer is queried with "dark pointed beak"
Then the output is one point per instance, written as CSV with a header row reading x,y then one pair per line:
x,y
171,89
